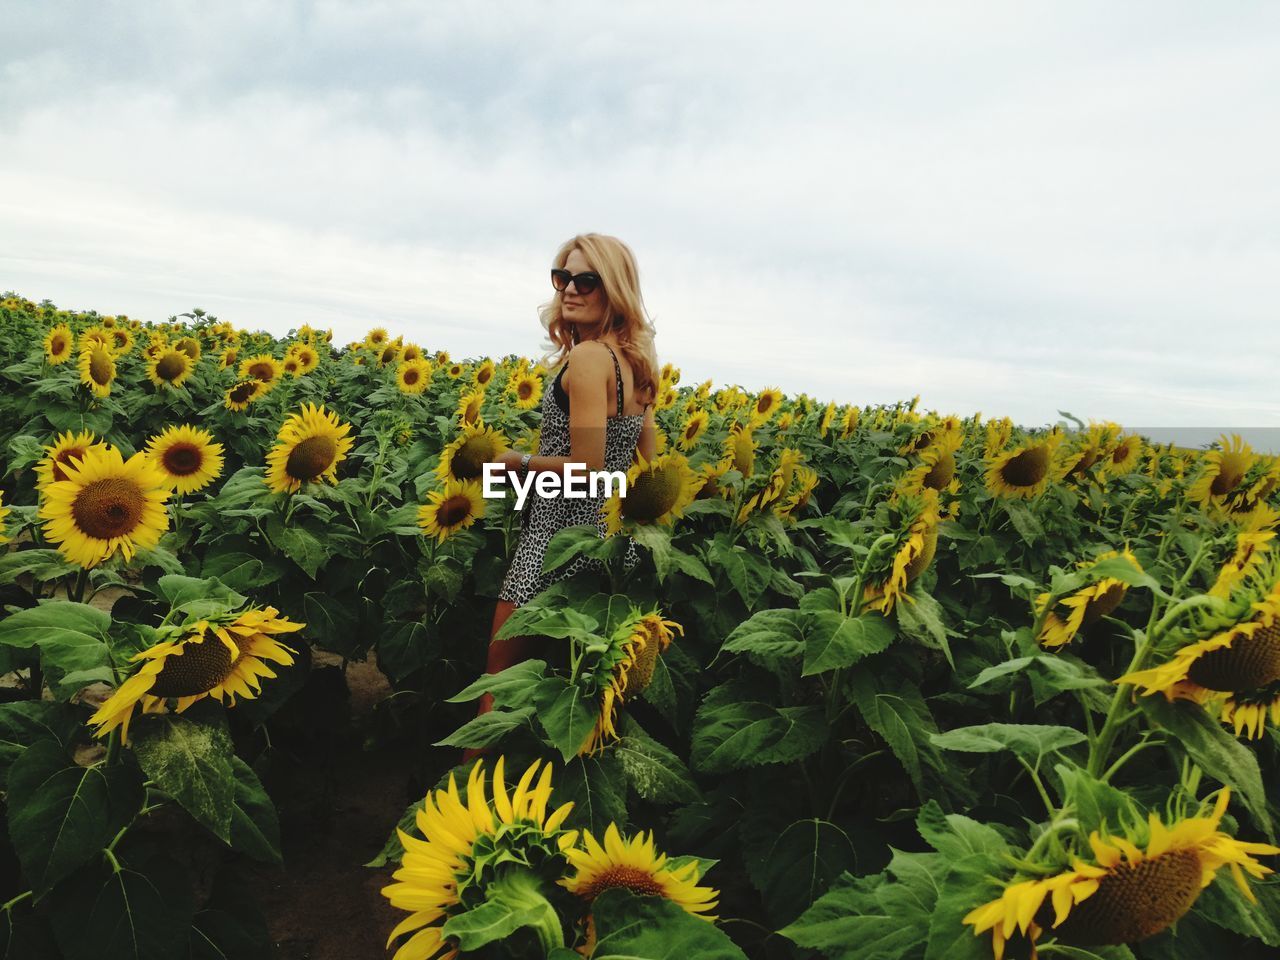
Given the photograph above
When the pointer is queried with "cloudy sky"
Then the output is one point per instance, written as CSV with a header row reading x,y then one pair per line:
x,y
1017,207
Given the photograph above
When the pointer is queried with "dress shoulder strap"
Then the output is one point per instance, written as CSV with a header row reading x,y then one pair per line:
x,y
618,373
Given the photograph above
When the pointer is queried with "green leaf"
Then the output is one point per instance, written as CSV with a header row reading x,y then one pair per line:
x,y
1031,741
801,865
965,884
242,571
191,761
922,620
512,687
255,828
1210,745
28,721
182,591
487,729
596,787
864,918
567,713
653,771
303,547
62,815
900,715
70,636
332,622
1098,805
1122,569
769,636
1224,904
748,573
956,836
513,902
41,564
739,734
141,912
833,641
570,542
1024,521
667,558
629,927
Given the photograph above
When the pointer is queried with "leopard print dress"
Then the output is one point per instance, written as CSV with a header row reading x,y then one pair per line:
x,y
542,517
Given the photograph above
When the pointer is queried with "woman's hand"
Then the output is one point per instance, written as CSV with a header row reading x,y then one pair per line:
x,y
509,460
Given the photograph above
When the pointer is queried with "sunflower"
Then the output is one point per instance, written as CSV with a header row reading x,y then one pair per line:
x,y
775,487
469,405
291,366
64,452
998,434
693,430
264,368
57,344
1231,659
190,346
94,336
376,337
97,368
310,445
1085,606
307,357
464,842
527,389
169,368
1252,543
914,518
1223,471
460,504
464,458
121,341
935,466
412,376
1123,457
105,504
849,422
657,493
4,512
740,448
707,479
411,351
1024,472
455,370
245,392
635,865
828,415
483,374
388,353
187,456
625,669
801,491
223,660
765,406
1126,894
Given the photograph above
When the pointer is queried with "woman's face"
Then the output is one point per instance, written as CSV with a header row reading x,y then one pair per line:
x,y
581,309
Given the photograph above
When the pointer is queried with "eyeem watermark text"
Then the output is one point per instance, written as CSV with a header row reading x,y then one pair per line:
x,y
577,483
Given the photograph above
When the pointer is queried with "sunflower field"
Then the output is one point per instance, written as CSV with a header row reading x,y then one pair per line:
x,y
885,683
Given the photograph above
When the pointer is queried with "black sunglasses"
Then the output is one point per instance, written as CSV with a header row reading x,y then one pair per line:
x,y
584,283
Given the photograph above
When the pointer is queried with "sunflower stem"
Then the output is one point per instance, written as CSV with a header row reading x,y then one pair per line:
x,y
82,579
16,900
1039,785
113,747
1124,758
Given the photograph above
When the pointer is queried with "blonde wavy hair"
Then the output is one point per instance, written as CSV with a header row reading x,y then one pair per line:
x,y
624,309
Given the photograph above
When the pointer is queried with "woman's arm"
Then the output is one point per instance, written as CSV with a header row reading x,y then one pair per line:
x,y
592,377
648,442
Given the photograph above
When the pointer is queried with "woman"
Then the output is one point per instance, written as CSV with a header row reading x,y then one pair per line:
x,y
593,414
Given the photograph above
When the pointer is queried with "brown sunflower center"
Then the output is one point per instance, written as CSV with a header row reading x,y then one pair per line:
x,y
469,459
57,344
242,392
1230,472
764,404
633,878
388,354
644,660
1134,902
524,390
1104,603
1027,468
453,511
202,665
484,376
920,562
262,371
190,347
100,366
171,366
652,495
109,508
182,459
411,377
1250,662
941,472
310,458
64,458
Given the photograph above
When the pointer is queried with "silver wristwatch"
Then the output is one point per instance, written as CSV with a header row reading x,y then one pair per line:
x,y
524,465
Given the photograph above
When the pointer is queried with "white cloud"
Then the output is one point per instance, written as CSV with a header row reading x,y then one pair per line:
x,y
1017,208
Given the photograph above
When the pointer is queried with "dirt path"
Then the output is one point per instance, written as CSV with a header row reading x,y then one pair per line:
x,y
324,905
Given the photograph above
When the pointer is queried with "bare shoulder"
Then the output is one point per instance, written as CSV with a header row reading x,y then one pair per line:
x,y
590,356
